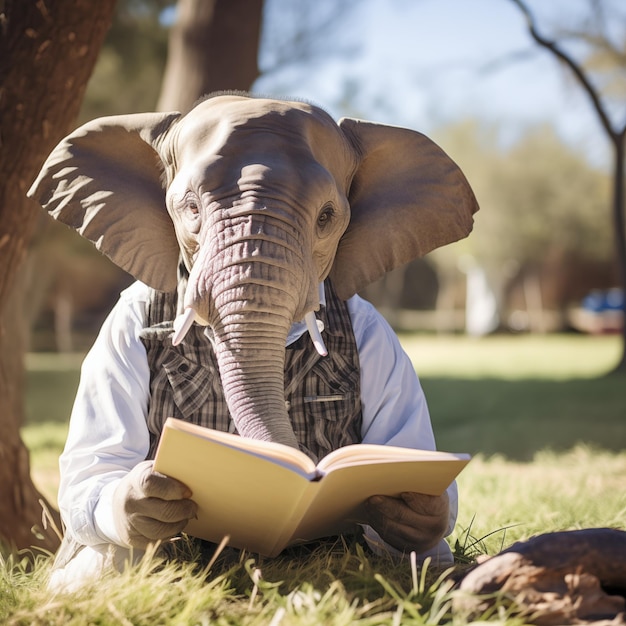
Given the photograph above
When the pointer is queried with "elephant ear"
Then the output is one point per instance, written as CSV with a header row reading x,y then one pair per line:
x,y
407,198
104,180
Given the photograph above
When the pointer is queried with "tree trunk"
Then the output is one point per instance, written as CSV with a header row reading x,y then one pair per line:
x,y
212,47
47,53
620,233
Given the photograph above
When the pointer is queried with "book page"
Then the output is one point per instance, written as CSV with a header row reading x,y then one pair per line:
x,y
276,452
238,494
340,494
363,453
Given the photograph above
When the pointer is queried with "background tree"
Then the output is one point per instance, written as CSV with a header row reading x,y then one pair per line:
x,y
213,46
127,76
543,206
47,52
607,59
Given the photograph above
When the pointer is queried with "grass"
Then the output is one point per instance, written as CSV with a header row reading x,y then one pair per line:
x,y
51,383
548,432
504,501
342,588
516,396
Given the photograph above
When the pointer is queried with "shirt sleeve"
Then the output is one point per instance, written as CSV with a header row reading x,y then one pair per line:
x,y
108,434
394,407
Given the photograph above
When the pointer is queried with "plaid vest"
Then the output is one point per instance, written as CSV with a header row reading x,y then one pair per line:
x,y
322,394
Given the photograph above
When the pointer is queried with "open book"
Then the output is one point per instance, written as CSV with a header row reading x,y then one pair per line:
x,y
266,496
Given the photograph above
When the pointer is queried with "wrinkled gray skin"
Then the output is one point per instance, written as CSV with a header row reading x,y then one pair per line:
x,y
258,238
263,199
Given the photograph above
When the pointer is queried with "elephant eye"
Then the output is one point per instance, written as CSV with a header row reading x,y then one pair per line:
x,y
325,217
192,207
191,212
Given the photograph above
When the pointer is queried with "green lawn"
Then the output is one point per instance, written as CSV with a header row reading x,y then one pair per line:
x,y
515,396
51,383
548,431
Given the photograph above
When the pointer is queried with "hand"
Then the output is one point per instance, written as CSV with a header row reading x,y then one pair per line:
x,y
148,506
412,522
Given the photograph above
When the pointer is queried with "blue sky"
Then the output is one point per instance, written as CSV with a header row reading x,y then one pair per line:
x,y
425,63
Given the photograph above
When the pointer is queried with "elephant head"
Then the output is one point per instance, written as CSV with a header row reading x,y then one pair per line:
x,y
262,199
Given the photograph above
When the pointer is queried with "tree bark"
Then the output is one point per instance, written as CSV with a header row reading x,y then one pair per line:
x,y
619,221
47,53
212,47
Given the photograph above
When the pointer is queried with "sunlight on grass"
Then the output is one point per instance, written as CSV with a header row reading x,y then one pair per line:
x,y
244,592
53,361
45,442
517,395
507,501
555,357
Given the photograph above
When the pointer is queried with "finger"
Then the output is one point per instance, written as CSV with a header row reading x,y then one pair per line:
x,y
427,505
383,512
433,511
156,485
390,508
148,529
413,509
404,528
166,511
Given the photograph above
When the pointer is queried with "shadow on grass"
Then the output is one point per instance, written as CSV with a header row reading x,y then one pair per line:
x,y
517,418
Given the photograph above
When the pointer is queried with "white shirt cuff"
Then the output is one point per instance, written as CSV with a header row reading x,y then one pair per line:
x,y
103,517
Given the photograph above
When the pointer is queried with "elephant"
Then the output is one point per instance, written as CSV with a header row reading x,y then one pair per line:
x,y
262,200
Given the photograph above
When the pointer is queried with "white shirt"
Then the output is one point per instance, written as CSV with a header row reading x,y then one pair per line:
x,y
108,434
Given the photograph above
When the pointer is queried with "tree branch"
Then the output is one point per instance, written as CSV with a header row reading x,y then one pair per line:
x,y
616,136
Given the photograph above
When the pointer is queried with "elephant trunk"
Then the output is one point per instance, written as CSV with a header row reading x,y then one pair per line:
x,y
251,363
249,292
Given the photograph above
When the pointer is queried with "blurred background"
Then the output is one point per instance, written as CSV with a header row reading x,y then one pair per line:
x,y
465,72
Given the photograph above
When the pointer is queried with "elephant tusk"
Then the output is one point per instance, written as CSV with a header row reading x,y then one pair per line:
x,y
314,331
182,324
